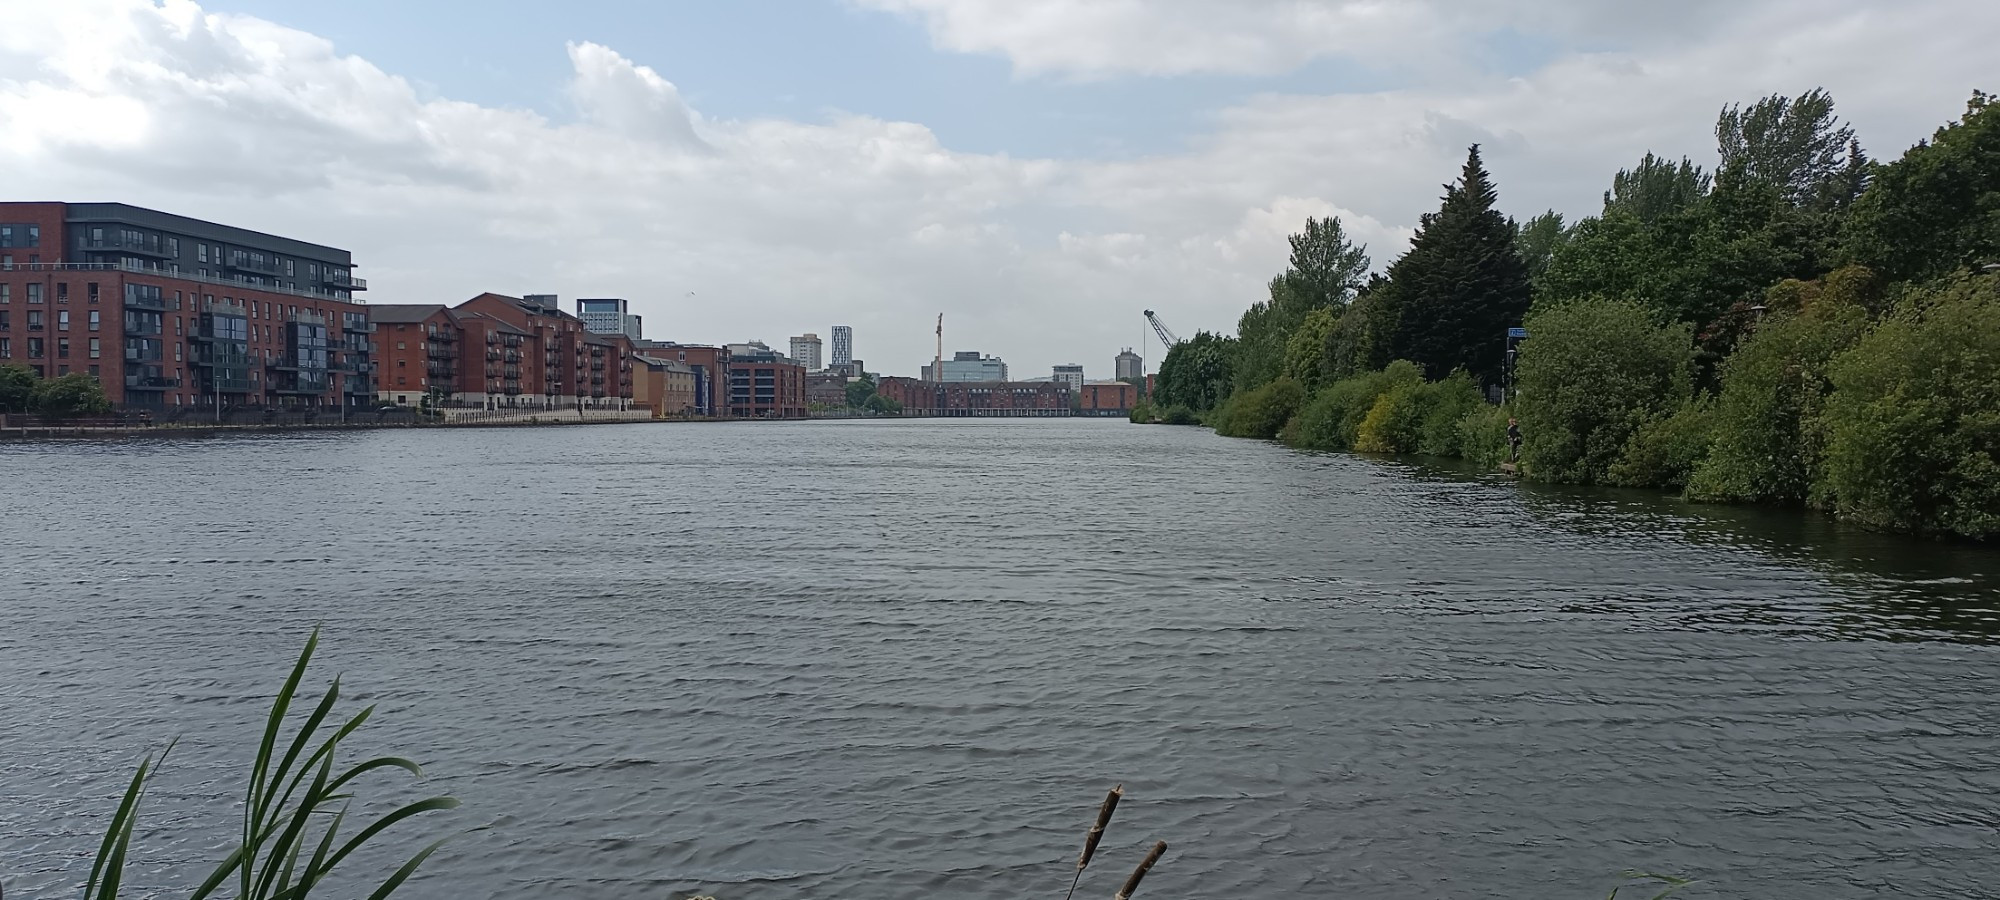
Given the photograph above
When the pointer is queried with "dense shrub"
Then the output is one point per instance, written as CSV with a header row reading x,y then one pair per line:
x,y
1667,449
1913,424
1448,403
1142,413
1260,413
1179,415
1395,422
1332,419
1767,444
1482,435
1591,373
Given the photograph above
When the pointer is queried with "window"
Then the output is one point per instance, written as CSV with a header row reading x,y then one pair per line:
x,y
34,320
3,319
177,352
94,373
6,293
34,293
35,346
173,246
62,292
96,349
201,254
291,269
62,370
62,320
177,326
90,290
402,346
6,348
7,263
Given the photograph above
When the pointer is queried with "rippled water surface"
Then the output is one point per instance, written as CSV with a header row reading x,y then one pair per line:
x,y
819,660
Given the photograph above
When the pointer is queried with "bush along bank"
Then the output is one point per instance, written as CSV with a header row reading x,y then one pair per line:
x,y
1806,327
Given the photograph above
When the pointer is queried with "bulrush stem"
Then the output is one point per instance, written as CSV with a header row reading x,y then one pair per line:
x,y
1097,830
1132,883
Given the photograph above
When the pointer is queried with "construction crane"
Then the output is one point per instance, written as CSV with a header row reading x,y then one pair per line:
x,y
1160,328
937,365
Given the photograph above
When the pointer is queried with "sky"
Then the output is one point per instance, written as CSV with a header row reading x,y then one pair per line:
x,y
1039,172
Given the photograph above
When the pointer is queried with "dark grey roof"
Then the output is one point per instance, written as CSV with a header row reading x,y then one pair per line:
x,y
402,313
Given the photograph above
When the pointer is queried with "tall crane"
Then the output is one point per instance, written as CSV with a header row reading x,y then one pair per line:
x,y
1160,328
937,366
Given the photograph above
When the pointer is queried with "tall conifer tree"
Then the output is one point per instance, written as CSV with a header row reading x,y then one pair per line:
x,y
1462,284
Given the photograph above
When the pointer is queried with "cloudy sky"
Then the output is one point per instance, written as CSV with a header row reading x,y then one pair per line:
x,y
1039,171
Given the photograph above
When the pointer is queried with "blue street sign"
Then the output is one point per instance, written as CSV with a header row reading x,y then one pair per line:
x,y
1517,332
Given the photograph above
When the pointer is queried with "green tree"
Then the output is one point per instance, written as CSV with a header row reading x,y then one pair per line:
x,y
1305,351
859,390
72,395
1361,339
1767,441
876,403
1462,284
1260,413
1591,373
1795,145
1323,272
1536,241
1913,423
17,389
1655,189
1197,373
1938,208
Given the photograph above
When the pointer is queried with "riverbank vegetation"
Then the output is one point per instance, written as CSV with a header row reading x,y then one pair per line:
x,y
62,397
1803,326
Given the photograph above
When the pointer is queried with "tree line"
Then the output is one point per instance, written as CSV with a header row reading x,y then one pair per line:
x,y
62,397
1802,325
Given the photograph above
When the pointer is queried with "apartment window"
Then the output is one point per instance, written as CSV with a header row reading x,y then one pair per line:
x,y
208,297
177,352
34,320
35,346
62,292
6,293
62,320
201,254
34,293
173,246
401,363
6,348
291,269
7,263
400,345
62,348
96,350
62,370
90,291
3,319
94,373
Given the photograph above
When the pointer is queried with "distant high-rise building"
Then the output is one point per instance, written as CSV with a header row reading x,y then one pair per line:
x,y
843,345
609,316
805,351
1072,375
1130,365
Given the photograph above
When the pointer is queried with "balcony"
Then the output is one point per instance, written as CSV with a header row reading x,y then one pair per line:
x,y
443,336
341,282
141,301
230,386
150,383
438,353
120,243
243,263
493,356
141,358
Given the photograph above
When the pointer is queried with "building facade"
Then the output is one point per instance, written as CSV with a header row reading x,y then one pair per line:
x,y
1128,366
417,346
710,366
764,384
843,346
955,398
968,365
663,386
806,352
176,315
1071,375
1107,398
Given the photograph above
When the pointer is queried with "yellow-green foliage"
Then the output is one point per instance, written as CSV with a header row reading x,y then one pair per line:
x,y
1593,372
1332,419
1395,422
1482,435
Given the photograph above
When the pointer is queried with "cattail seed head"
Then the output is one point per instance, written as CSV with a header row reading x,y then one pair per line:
x,y
1132,883
1097,830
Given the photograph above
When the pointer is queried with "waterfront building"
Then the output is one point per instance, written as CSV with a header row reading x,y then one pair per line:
x,y
666,387
843,345
711,371
493,363
806,351
1107,398
1129,366
764,383
608,316
175,314
1071,375
554,362
920,397
417,345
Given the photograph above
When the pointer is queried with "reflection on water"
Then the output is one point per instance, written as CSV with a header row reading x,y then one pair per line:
x,y
807,660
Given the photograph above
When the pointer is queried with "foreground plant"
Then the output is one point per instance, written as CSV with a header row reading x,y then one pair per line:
x,y
293,810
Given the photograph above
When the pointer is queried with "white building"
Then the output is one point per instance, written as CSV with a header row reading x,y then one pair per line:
x,y
805,351
970,365
1073,375
843,345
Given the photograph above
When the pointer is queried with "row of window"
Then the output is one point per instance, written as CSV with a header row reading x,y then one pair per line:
x,y
35,320
21,237
37,348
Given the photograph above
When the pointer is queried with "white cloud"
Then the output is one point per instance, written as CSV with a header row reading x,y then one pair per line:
x,y
782,227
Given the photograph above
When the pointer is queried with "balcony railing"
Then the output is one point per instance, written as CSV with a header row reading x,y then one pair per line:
x,y
157,272
150,383
144,247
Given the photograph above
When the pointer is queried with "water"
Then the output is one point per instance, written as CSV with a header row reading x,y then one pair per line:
x,y
817,660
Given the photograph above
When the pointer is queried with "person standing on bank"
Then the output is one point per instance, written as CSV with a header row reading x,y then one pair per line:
x,y
1513,439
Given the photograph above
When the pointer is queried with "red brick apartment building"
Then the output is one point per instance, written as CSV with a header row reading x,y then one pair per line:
x,y
969,398
1107,398
176,314
764,384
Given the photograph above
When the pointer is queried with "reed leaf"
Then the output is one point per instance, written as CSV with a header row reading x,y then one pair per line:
x,y
107,871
